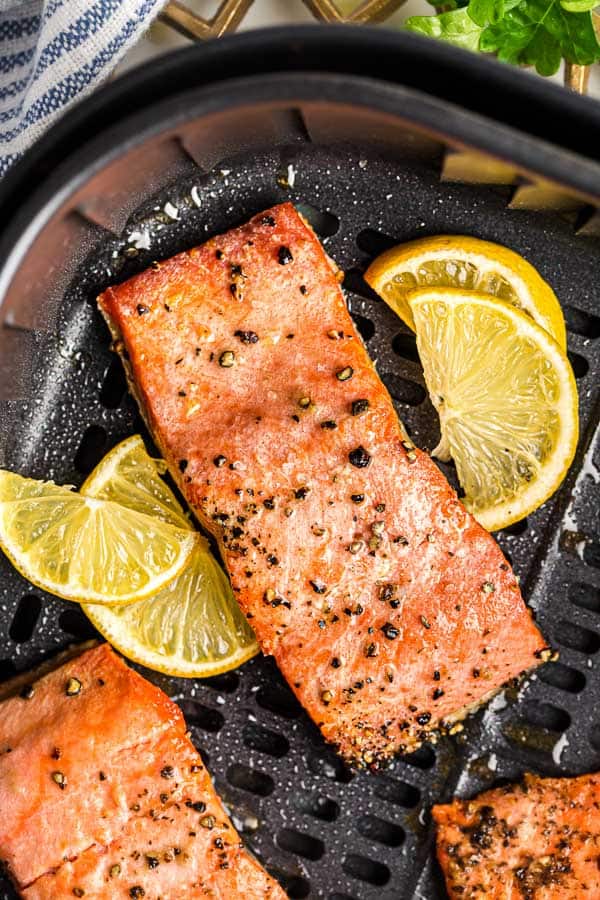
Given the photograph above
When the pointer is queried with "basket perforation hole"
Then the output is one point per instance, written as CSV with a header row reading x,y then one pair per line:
x,y
356,284
423,758
202,716
403,390
265,741
326,224
114,385
250,780
398,792
374,242
301,844
546,715
329,766
227,683
580,322
295,886
7,669
579,364
375,829
366,328
25,618
577,638
585,596
319,806
91,449
405,345
517,528
74,622
366,869
595,737
591,554
279,700
565,678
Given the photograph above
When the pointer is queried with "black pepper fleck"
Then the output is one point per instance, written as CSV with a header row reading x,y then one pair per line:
x,y
359,457
359,407
284,255
390,631
246,337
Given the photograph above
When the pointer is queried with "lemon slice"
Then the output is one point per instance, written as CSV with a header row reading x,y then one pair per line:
x,y
193,627
129,476
83,548
506,397
470,264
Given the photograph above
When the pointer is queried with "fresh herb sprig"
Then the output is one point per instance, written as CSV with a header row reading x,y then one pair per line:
x,y
524,32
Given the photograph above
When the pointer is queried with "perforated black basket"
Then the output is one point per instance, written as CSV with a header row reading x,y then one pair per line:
x,y
378,138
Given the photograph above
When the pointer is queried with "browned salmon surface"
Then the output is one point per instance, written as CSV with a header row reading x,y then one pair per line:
x,y
539,840
389,610
181,845
93,757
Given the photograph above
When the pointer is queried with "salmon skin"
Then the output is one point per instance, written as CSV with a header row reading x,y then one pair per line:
x,y
100,788
538,840
388,609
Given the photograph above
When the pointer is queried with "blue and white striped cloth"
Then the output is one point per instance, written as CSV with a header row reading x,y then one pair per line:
x,y
54,52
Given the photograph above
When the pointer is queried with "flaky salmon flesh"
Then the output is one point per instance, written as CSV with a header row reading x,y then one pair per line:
x,y
388,609
537,840
103,796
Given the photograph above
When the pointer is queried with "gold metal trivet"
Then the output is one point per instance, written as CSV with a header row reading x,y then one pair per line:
x,y
226,19
231,12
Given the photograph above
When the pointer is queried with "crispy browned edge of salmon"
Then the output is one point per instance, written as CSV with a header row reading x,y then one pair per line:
x,y
451,724
12,687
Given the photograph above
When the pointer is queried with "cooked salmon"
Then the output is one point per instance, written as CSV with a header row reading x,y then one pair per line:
x,y
388,609
538,840
92,759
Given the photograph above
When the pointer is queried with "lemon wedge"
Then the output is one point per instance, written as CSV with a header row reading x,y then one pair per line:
x,y
506,397
86,548
129,476
193,627
469,264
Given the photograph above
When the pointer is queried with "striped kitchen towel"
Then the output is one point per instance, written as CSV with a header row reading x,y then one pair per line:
x,y
54,52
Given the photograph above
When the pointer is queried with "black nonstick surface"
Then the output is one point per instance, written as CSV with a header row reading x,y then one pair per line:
x,y
321,829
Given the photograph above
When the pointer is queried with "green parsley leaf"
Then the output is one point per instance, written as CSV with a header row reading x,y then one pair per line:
x,y
488,12
539,32
455,27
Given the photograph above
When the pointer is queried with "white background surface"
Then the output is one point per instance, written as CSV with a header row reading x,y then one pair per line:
x,y
161,39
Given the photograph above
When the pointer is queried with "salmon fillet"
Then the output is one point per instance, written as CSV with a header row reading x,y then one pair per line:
x,y
388,609
539,840
92,755
183,845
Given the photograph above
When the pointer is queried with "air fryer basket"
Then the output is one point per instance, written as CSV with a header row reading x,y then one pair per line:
x,y
371,161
